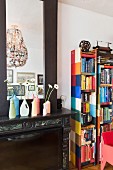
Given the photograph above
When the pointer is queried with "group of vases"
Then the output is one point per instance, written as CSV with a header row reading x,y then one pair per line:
x,y
23,110
15,111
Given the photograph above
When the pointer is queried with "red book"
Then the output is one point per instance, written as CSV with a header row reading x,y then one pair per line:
x,y
83,153
72,56
93,83
84,107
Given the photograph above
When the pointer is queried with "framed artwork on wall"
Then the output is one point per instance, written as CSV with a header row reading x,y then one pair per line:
x,y
23,77
18,90
31,88
10,75
40,79
40,90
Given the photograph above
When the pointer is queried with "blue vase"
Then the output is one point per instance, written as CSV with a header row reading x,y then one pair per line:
x,y
16,103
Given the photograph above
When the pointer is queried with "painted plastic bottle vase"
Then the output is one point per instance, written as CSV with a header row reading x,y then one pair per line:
x,y
12,110
16,103
24,109
48,106
35,107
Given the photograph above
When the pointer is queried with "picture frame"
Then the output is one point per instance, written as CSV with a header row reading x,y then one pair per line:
x,y
31,88
40,79
10,76
18,90
23,77
40,90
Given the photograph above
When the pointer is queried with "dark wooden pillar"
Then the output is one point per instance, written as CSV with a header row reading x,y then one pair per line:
x,y
50,26
3,86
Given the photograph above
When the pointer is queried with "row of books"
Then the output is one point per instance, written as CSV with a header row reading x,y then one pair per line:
x,y
85,97
106,76
88,153
87,82
105,94
85,107
105,114
88,136
86,119
88,65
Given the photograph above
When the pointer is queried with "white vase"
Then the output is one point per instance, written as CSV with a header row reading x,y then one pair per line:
x,y
24,108
47,106
44,110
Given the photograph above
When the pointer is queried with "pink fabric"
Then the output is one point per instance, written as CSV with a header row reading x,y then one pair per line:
x,y
106,149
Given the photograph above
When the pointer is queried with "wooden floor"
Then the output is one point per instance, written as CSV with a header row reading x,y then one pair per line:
x,y
97,167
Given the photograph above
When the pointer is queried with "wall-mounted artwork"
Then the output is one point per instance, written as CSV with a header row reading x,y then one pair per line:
x,y
18,90
23,77
31,88
40,79
40,90
10,75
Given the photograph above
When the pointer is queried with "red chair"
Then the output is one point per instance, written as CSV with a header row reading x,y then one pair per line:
x,y
107,148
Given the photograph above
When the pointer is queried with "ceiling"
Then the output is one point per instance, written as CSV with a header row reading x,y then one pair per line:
x,y
100,6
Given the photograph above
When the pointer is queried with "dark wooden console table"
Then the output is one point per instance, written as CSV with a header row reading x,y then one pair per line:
x,y
23,128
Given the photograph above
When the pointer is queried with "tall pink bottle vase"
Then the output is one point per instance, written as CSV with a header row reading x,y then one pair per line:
x,y
38,105
35,107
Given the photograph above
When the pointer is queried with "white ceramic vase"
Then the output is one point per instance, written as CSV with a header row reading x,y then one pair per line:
x,y
24,108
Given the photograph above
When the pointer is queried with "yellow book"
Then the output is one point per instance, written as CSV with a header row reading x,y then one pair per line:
x,y
87,107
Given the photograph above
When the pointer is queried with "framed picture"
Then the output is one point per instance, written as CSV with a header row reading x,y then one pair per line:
x,y
31,88
23,77
10,75
40,79
18,90
10,92
40,91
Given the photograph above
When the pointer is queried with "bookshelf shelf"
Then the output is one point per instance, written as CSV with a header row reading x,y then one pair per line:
x,y
87,164
106,85
88,127
87,91
83,100
87,55
106,66
88,74
106,122
106,103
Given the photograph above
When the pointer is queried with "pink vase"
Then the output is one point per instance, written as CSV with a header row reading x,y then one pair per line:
x,y
35,107
48,106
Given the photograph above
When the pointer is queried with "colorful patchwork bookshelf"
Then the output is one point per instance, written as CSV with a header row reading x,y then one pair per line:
x,y
105,96
83,101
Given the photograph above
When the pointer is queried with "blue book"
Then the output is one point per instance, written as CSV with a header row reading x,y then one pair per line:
x,y
83,64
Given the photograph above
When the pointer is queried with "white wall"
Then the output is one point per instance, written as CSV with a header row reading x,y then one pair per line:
x,y
74,25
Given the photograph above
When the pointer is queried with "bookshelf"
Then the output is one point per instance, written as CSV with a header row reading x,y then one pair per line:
x,y
105,95
83,101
